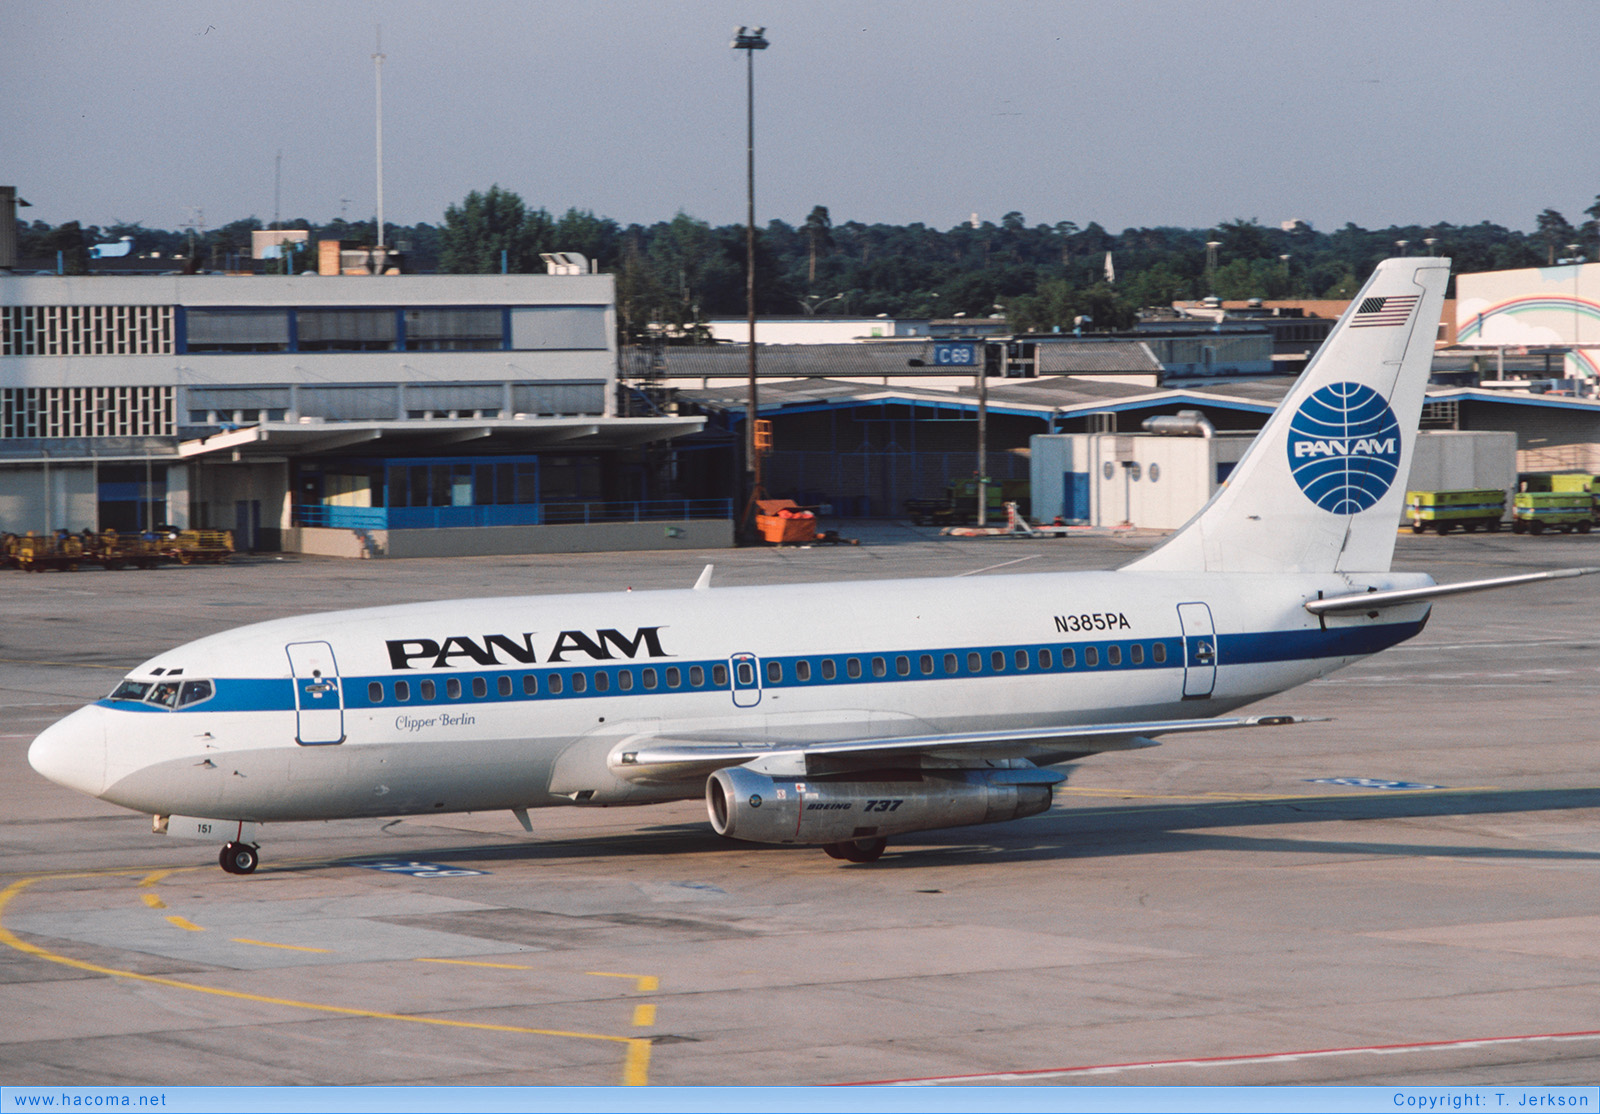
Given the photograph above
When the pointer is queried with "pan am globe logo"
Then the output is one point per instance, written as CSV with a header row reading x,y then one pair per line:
x,y
1344,447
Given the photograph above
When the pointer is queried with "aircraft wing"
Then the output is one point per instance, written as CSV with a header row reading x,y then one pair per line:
x,y
679,759
1373,601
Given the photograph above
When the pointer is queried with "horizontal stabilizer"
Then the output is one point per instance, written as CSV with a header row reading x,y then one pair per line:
x,y
1371,601
682,759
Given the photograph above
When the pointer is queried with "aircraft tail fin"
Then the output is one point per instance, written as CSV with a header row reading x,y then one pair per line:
x,y
1322,487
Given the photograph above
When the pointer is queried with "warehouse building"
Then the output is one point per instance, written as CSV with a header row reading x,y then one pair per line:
x,y
377,414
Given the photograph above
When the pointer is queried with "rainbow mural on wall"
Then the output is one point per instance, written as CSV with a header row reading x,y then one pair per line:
x,y
1534,307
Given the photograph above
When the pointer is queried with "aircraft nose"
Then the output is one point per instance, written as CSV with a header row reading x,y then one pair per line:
x,y
72,751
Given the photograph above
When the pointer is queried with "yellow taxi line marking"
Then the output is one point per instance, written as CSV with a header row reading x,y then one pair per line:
x,y
68,664
1253,797
285,947
154,877
153,901
644,1014
186,925
635,1067
477,963
643,982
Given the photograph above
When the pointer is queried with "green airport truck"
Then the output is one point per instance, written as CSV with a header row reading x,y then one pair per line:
x,y
1534,512
1443,511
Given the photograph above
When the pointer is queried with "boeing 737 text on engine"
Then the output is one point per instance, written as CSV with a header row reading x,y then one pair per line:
x,y
899,706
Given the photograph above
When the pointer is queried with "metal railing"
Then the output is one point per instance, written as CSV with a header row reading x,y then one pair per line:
x,y
527,514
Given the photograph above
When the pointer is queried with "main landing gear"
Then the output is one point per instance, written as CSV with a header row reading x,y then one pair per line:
x,y
856,850
239,858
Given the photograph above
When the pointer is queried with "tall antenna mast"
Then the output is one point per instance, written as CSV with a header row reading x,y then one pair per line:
x,y
377,69
277,191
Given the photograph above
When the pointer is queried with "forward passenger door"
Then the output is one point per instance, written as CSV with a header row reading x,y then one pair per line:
x,y
318,696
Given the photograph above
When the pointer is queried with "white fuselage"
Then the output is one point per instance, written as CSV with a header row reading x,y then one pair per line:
x,y
515,703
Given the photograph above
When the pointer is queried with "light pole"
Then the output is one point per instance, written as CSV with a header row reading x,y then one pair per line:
x,y
750,40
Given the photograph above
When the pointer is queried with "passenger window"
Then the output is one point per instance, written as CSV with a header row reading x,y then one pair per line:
x,y
165,694
505,685
746,673
428,690
625,680
997,660
196,691
829,670
580,683
974,662
774,672
1136,653
902,666
719,676
402,691
1158,652
602,681
951,664
480,687
697,676
926,662
880,668
802,671
452,688
1021,659
649,678
553,684
1069,657
852,668
1046,660
1091,656
131,690
674,677
1113,655
530,685
374,691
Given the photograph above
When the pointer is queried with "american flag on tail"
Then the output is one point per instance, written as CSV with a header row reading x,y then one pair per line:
x,y
1392,310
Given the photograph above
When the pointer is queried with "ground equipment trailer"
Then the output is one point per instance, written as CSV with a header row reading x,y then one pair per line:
x,y
1534,512
37,552
1443,511
211,547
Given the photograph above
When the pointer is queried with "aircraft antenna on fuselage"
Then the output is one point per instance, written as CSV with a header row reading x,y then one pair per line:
x,y
705,579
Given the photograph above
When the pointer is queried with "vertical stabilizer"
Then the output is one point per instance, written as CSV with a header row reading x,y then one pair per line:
x,y
1322,487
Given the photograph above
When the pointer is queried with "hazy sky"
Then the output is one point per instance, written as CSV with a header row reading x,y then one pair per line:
x,y
1133,113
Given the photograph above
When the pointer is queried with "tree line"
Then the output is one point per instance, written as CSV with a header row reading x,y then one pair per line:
x,y
673,275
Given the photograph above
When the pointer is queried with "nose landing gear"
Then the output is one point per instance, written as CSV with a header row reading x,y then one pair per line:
x,y
239,858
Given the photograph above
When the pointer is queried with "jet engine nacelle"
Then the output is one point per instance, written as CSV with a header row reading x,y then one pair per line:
x,y
745,804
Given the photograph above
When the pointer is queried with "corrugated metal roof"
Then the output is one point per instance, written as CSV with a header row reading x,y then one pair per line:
x,y
784,361
1066,357
878,358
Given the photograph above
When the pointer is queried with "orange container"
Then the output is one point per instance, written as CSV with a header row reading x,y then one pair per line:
x,y
778,527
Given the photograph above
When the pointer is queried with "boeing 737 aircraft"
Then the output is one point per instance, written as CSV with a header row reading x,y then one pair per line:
x,y
873,709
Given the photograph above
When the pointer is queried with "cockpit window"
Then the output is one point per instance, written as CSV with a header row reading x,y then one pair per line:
x,y
131,690
194,692
165,694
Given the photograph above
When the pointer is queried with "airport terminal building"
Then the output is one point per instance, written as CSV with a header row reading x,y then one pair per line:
x,y
402,414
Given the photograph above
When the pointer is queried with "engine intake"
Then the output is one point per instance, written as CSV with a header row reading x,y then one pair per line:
x,y
745,804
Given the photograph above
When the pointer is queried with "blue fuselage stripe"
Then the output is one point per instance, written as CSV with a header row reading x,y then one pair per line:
x,y
883,667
